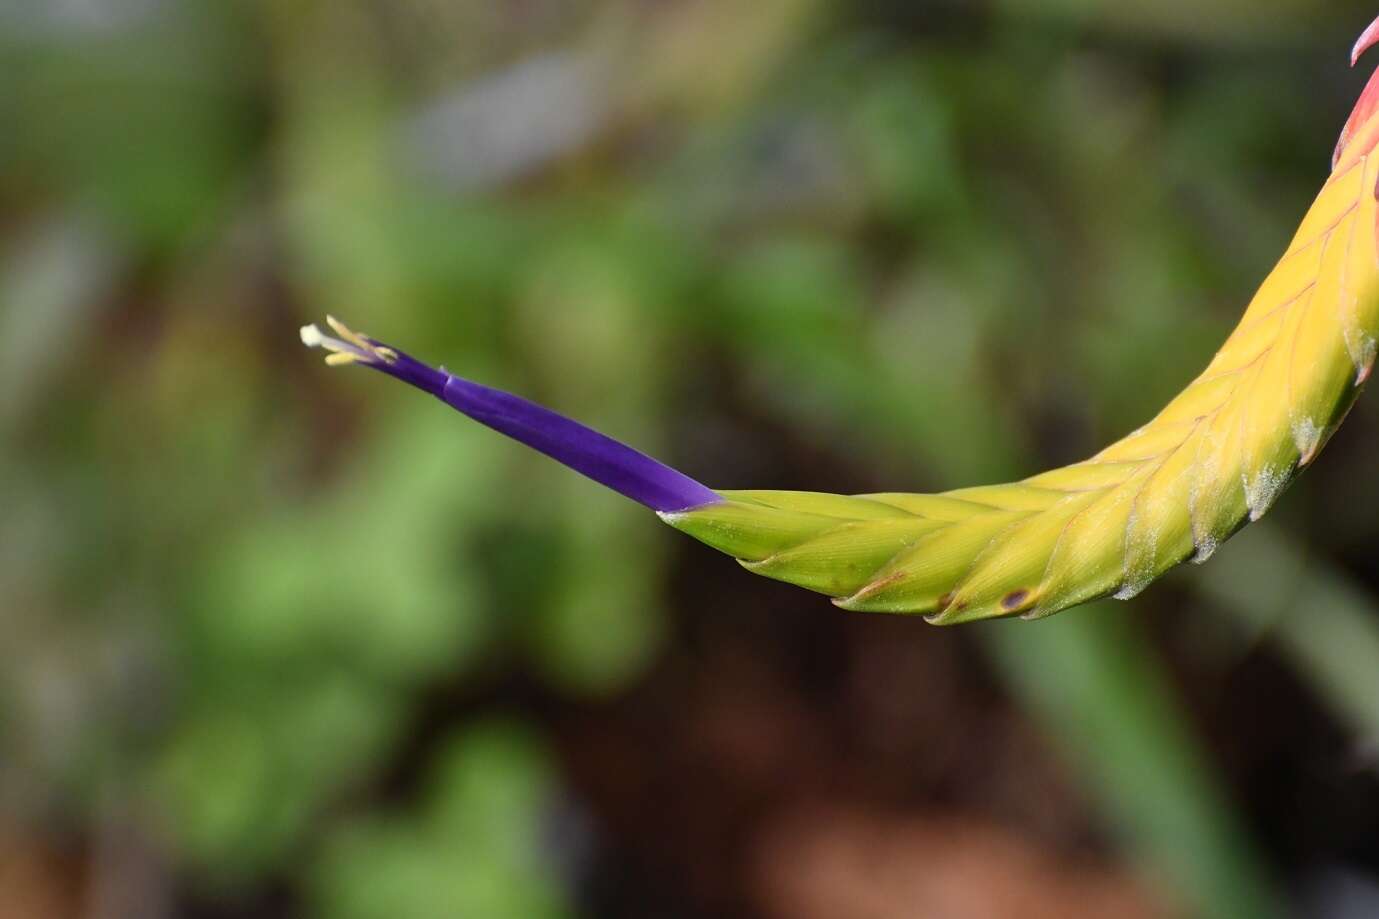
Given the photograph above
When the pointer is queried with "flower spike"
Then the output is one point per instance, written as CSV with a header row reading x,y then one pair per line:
x,y
1216,458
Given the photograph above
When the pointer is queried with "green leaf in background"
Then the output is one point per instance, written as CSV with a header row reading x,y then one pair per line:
x,y
476,849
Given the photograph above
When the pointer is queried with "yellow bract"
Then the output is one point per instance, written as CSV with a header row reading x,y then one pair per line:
x,y
1216,457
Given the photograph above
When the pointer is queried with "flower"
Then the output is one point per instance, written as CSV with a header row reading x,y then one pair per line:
x,y
612,464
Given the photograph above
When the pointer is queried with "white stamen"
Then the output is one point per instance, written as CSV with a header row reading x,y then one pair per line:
x,y
348,349
348,334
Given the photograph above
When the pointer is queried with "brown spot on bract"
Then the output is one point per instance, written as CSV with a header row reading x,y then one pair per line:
x,y
946,601
1015,600
875,587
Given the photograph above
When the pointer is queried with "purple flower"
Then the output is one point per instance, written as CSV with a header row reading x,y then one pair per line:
x,y
601,458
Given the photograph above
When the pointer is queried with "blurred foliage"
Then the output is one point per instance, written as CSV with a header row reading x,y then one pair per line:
x,y
916,245
472,851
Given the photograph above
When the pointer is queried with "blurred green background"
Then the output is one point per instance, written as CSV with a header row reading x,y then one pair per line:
x,y
280,641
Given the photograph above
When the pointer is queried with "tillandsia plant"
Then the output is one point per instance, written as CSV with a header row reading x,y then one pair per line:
x,y
1216,458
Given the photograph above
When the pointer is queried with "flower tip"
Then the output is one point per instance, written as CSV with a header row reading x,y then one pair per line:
x,y
349,348
312,337
1366,41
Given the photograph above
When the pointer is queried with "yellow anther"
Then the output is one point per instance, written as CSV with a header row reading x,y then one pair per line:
x,y
368,348
349,335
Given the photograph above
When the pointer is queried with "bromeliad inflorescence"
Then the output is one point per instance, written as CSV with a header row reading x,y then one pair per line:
x,y
1215,458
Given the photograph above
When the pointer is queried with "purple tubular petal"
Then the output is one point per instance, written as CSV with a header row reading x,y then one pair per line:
x,y
601,458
